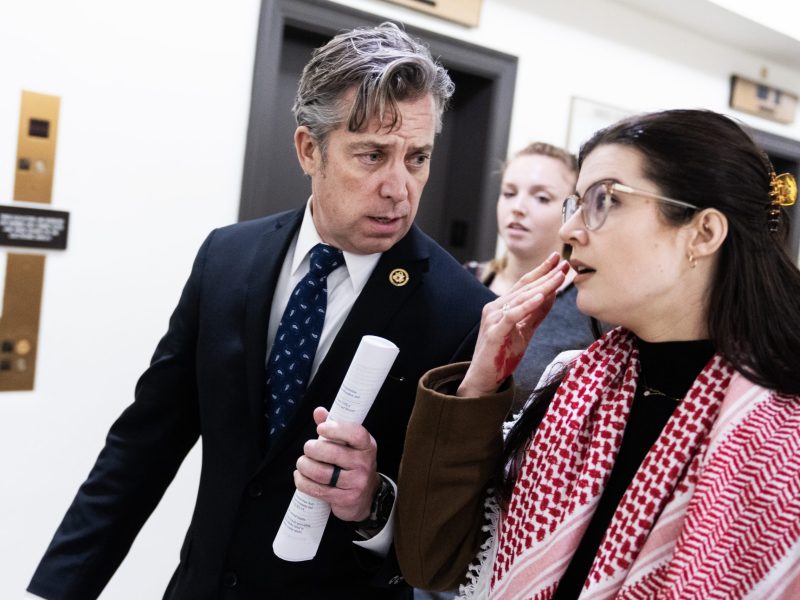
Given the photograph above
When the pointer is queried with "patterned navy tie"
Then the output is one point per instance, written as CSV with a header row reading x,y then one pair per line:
x,y
297,338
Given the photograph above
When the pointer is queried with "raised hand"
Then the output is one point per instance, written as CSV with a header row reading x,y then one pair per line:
x,y
507,325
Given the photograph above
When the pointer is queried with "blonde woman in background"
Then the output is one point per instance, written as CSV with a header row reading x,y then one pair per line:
x,y
535,182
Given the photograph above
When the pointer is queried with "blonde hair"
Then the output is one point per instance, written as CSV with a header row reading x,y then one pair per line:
x,y
568,159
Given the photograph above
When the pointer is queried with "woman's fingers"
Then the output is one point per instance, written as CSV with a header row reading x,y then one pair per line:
x,y
550,263
542,285
545,274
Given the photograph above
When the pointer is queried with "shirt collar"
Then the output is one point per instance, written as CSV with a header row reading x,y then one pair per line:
x,y
359,266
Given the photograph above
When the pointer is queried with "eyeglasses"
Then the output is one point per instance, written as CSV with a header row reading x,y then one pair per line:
x,y
599,199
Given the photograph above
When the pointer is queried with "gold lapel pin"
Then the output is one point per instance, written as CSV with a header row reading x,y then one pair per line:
x,y
398,277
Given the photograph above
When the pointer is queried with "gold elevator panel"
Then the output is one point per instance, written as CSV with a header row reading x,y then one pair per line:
x,y
24,274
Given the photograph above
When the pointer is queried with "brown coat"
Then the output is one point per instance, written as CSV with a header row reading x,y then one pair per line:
x,y
452,449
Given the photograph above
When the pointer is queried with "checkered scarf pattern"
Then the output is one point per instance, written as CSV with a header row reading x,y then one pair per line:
x,y
712,512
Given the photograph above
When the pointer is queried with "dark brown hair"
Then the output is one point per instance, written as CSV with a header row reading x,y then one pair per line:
x,y
709,160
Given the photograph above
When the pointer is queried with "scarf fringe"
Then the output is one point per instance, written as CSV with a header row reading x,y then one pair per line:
x,y
479,573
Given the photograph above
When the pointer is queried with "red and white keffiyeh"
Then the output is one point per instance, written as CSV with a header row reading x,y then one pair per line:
x,y
712,512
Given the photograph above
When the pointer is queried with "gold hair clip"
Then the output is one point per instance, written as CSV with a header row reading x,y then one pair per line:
x,y
783,189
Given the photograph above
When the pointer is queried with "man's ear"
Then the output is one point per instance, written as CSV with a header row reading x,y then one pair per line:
x,y
308,151
709,228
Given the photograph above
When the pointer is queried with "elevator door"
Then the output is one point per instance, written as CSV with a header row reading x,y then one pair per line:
x,y
457,206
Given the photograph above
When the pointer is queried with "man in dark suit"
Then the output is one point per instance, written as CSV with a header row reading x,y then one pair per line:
x,y
368,107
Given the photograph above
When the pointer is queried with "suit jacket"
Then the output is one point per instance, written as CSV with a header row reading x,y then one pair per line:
x,y
207,378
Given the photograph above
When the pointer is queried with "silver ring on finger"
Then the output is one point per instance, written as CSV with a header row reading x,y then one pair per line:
x,y
506,308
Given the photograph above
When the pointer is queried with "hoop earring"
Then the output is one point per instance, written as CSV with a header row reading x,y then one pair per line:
x,y
692,260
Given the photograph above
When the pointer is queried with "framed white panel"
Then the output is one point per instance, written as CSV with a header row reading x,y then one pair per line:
x,y
586,117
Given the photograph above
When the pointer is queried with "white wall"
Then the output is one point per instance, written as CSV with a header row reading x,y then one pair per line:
x,y
155,100
605,52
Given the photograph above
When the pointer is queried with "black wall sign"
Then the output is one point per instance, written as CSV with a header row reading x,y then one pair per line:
x,y
33,227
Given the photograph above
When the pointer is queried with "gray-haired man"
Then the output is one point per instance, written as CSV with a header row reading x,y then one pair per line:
x,y
368,107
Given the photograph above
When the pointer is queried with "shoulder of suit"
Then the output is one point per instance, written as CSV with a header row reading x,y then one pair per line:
x,y
425,245
447,275
263,224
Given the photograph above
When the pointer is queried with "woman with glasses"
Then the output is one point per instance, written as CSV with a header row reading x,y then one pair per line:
x,y
534,184
664,460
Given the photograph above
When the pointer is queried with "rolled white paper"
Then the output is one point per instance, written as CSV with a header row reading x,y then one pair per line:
x,y
304,522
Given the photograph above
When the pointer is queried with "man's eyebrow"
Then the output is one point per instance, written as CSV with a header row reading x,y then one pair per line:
x,y
371,145
365,145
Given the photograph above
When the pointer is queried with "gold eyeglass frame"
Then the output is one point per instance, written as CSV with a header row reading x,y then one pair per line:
x,y
611,187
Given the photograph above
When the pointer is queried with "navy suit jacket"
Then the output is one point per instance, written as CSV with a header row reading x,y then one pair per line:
x,y
207,378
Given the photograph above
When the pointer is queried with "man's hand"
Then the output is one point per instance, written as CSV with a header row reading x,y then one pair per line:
x,y
350,447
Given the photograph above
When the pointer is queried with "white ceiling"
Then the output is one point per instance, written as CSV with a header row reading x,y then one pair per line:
x,y
758,31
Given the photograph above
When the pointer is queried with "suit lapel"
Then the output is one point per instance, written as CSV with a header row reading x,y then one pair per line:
x,y
376,306
372,313
266,267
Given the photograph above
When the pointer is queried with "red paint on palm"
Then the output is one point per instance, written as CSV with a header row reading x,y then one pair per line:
x,y
505,361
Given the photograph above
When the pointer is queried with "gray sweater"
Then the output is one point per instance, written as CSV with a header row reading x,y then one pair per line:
x,y
564,328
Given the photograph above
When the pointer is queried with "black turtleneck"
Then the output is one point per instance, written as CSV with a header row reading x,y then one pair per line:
x,y
668,369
